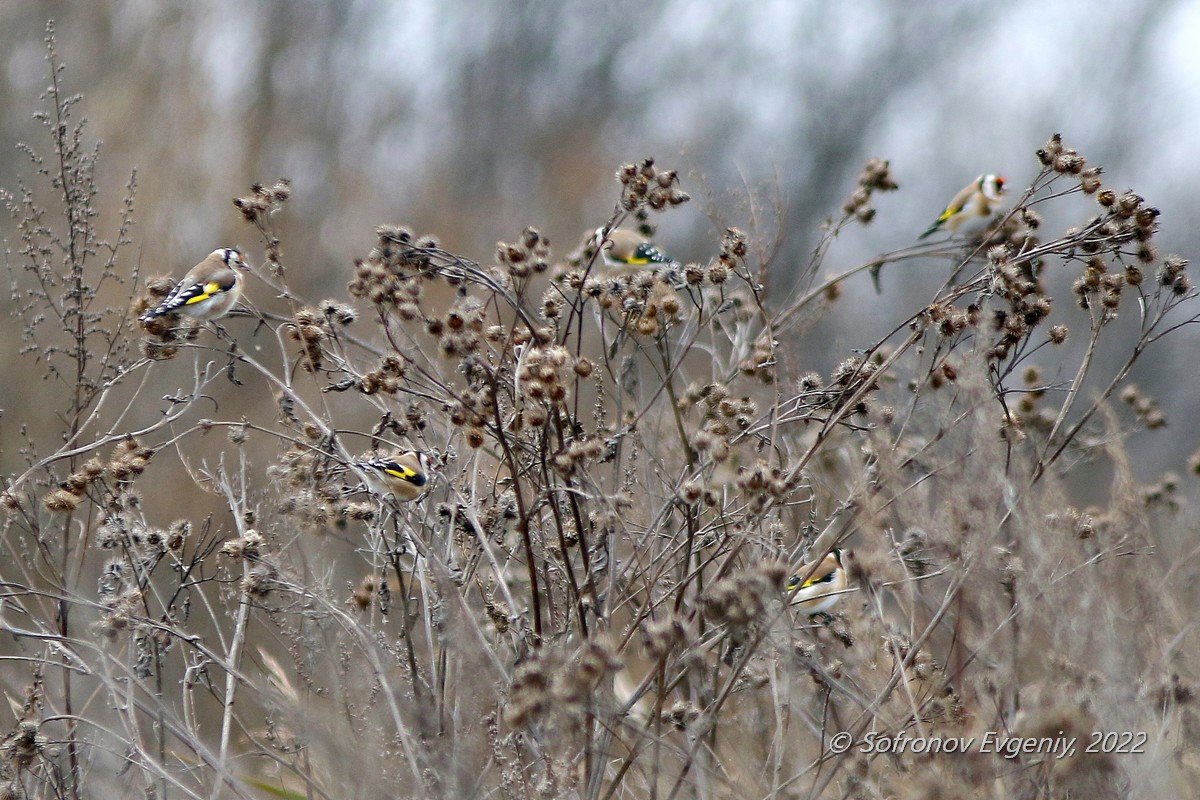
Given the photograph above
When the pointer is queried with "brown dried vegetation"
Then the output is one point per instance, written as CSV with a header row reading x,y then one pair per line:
x,y
588,602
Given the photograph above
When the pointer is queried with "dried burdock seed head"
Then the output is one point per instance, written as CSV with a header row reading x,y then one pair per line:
x,y
1089,180
1012,428
529,696
1172,268
25,745
1068,163
810,382
260,579
596,660
1127,205
158,351
362,512
877,175
662,637
248,546
365,593
475,437
647,326
339,313
738,601
61,501
691,492
1051,149
93,468
10,501
1176,691
309,316
845,371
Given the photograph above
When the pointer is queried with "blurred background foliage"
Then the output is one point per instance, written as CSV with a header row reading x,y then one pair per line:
x,y
472,120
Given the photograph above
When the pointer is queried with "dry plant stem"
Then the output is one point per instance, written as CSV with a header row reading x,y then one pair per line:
x,y
1119,378
860,725
523,524
1072,392
233,656
114,435
121,688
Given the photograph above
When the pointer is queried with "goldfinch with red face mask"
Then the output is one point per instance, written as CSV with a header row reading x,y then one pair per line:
x,y
821,590
973,206
208,291
403,476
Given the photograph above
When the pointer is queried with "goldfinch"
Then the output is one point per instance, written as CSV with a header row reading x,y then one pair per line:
x,y
403,475
975,204
208,291
623,249
821,590
626,252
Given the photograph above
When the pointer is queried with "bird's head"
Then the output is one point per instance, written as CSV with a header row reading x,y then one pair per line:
x,y
231,257
993,186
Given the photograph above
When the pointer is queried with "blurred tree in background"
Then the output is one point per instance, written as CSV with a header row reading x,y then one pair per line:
x,y
473,120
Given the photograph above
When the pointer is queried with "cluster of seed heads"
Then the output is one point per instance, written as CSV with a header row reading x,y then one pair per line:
x,y
388,276
128,460
460,330
548,681
1144,406
258,208
263,200
387,378
875,177
314,327
645,186
849,377
1027,303
530,255
1117,243
739,601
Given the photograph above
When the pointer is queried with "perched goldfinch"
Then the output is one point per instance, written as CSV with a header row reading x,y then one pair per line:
x,y
975,204
627,252
403,476
208,291
821,590
623,250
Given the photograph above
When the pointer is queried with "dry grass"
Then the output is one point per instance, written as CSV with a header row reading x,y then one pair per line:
x,y
588,602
